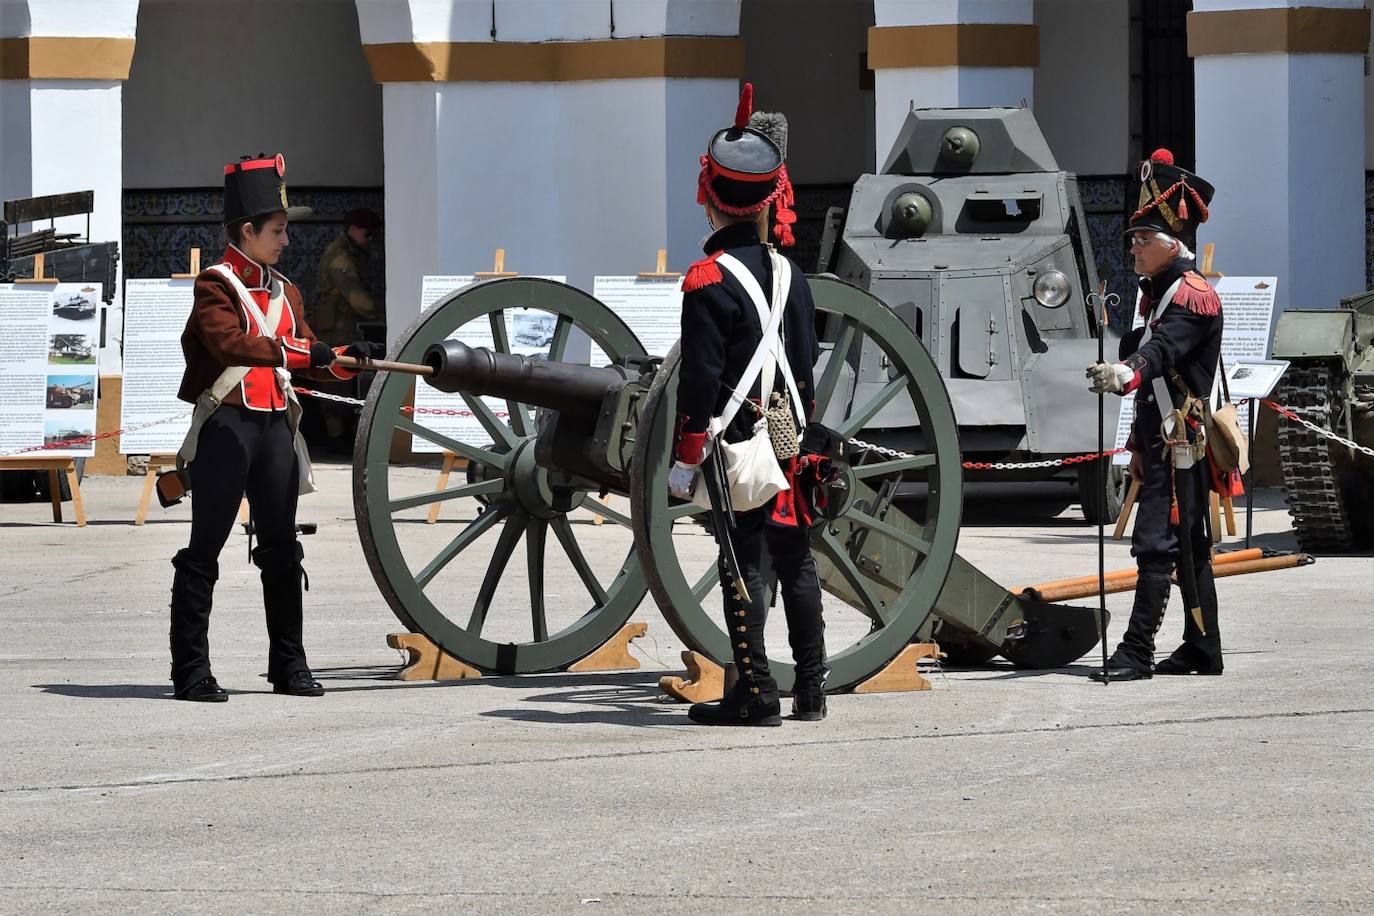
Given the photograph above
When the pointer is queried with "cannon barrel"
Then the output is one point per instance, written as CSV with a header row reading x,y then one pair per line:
x,y
564,387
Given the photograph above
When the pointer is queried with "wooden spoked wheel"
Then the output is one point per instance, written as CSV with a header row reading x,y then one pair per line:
x,y
873,373
457,582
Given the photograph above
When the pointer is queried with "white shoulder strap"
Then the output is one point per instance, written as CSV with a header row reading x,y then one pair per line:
x,y
782,288
268,323
1163,399
769,349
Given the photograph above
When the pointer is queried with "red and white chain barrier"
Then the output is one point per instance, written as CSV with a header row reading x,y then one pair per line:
x,y
995,465
1319,430
79,441
868,446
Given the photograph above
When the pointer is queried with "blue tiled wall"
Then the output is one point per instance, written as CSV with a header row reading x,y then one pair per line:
x,y
162,226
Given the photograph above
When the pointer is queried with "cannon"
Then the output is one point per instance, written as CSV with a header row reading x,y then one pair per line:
x,y
571,433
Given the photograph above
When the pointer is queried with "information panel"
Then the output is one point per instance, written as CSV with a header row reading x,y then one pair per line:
x,y
652,309
49,347
1248,306
155,313
529,330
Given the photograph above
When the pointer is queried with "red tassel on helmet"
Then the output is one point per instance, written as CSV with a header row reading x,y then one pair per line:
x,y
1162,156
1183,204
785,215
746,106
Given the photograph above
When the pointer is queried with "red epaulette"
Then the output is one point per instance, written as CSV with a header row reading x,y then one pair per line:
x,y
1197,296
702,273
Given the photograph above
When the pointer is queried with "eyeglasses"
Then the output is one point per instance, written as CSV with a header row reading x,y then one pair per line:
x,y
1140,241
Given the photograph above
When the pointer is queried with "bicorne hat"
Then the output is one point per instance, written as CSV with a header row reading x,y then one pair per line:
x,y
256,185
743,172
1172,200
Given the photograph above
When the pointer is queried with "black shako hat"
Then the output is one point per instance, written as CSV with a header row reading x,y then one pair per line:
x,y
1172,200
255,186
743,172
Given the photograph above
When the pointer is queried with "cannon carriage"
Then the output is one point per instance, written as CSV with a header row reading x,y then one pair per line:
x,y
570,434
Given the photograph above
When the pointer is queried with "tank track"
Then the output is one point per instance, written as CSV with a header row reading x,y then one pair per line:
x,y
1314,495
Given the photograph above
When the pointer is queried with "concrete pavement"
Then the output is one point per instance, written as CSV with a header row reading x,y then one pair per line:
x,y
1001,791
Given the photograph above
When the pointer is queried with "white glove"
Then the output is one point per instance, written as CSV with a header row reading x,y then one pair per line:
x,y
682,479
1109,378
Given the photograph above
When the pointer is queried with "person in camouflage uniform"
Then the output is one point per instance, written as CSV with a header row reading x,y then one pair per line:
x,y
343,297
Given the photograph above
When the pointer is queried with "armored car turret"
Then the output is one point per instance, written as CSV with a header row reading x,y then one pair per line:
x,y
976,239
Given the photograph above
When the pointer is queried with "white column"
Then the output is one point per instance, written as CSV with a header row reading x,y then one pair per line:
x,y
579,176
965,69
60,114
1281,134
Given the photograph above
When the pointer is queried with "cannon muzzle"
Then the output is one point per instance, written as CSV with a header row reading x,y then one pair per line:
x,y
564,387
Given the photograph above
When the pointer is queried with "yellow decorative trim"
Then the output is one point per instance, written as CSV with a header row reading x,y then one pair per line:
x,y
1293,30
958,45
51,58
556,61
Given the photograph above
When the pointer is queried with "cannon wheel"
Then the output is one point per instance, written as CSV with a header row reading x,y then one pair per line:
x,y
857,323
515,499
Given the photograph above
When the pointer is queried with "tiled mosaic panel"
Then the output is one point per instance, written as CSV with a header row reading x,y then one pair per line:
x,y
161,227
1369,230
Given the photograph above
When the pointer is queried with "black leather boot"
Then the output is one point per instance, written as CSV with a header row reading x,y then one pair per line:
x,y
808,706
193,592
1201,651
753,700
1133,659
205,690
740,706
283,579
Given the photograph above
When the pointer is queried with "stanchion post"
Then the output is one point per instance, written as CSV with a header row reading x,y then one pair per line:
x,y
1250,477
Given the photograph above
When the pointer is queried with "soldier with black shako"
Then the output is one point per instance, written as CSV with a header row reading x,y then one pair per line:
x,y
742,175
245,335
1167,365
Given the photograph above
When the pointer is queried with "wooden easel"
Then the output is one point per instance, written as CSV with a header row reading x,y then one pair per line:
x,y
37,278
660,271
498,268
195,267
1217,503
452,460
53,466
156,463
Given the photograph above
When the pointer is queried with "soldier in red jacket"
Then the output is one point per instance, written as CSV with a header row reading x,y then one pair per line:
x,y
245,335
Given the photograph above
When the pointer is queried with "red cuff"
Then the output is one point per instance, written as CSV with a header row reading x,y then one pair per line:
x,y
295,352
691,448
1132,385
339,372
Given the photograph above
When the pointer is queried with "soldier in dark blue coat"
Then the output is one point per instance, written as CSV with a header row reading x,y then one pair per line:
x,y
742,176
1174,354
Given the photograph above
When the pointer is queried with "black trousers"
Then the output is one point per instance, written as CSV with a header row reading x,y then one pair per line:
x,y
1155,542
789,551
240,451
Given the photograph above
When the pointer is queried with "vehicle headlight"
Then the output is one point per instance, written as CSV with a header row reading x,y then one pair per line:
x,y
1052,289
